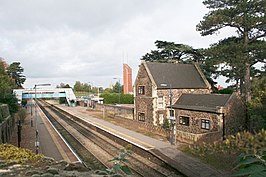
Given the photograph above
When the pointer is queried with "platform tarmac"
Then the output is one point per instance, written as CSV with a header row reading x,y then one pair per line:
x,y
48,140
187,165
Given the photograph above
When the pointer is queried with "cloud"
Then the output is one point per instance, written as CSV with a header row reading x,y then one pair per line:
x,y
71,40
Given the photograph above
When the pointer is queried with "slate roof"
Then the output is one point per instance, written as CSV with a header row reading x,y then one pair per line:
x,y
178,75
202,102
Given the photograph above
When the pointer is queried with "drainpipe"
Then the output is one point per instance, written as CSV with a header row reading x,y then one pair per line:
x,y
223,126
220,110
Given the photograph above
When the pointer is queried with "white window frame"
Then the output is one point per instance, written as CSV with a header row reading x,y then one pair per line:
x,y
205,124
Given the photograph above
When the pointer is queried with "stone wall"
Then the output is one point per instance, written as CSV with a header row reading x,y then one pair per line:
x,y
7,124
143,103
116,111
194,132
235,117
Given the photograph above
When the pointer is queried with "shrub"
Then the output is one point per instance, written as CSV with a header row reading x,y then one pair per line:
x,y
12,153
253,165
112,98
21,114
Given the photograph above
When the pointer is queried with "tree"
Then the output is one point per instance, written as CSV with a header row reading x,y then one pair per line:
x,y
77,86
117,88
63,85
171,52
6,86
15,71
257,106
248,18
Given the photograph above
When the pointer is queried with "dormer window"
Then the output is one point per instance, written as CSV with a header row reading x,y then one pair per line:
x,y
141,90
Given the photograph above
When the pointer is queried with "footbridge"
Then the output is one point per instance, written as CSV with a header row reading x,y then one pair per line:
x,y
46,93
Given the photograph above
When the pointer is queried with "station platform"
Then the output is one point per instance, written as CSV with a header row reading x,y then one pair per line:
x,y
48,140
187,165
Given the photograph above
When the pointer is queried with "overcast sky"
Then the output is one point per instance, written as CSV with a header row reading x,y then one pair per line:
x,y
89,40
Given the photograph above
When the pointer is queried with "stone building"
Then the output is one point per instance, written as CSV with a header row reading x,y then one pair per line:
x,y
154,82
208,117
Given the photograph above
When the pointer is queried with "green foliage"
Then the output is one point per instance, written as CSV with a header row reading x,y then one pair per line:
x,y
251,165
11,100
119,164
117,88
21,114
257,106
225,151
12,153
84,87
226,91
6,86
24,102
62,100
15,72
63,85
237,54
166,124
171,52
112,98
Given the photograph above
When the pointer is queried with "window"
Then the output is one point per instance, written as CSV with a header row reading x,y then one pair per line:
x,y
160,102
161,118
141,90
205,124
172,113
141,117
184,120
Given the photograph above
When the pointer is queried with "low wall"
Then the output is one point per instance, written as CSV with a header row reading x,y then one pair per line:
x,y
127,114
116,111
7,124
199,138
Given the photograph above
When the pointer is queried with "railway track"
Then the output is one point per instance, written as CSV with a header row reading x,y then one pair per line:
x,y
95,149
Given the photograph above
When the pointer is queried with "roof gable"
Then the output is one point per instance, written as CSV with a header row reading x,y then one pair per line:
x,y
177,75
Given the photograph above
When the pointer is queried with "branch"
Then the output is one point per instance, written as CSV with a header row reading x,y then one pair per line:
x,y
257,37
234,25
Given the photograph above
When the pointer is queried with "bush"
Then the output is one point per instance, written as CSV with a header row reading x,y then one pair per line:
x,y
112,98
24,102
222,154
11,100
253,165
22,114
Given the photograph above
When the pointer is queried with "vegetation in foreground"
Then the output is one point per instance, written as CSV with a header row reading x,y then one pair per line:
x,y
11,154
235,149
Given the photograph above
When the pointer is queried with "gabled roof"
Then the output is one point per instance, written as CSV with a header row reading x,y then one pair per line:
x,y
177,75
202,102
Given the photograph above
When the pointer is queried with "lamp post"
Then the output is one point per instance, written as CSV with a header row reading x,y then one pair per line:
x,y
119,90
172,117
36,127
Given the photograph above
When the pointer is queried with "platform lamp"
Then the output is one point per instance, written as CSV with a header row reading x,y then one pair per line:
x,y
119,88
36,127
172,117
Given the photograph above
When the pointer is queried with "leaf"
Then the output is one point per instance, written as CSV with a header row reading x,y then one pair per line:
x,y
126,170
259,174
248,161
125,160
250,170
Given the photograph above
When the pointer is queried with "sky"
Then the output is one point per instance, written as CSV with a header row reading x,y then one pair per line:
x,y
64,41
